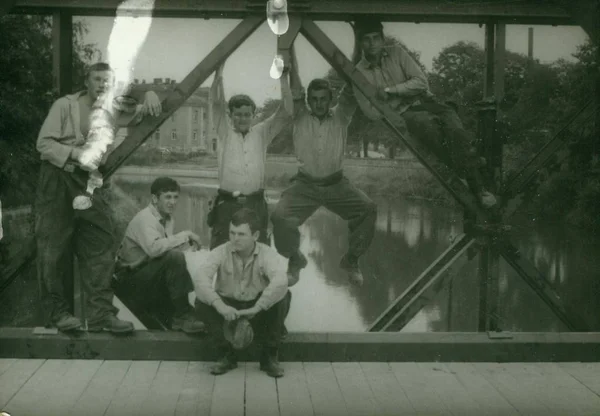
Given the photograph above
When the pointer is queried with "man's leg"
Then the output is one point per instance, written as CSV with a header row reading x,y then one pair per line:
x,y
166,275
296,204
95,247
214,325
354,206
259,205
269,330
54,225
219,232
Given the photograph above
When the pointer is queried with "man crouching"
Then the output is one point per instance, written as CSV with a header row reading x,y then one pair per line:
x,y
249,295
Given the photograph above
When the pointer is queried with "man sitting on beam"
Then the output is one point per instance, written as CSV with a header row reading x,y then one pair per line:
x,y
320,141
242,152
401,84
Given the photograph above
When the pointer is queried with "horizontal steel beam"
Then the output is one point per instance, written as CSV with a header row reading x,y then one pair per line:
x,y
312,347
465,11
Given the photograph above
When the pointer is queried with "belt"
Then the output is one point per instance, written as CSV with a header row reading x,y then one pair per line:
x,y
326,181
239,197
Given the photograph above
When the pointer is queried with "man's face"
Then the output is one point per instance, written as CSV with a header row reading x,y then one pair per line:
x,y
242,118
241,237
372,44
165,203
319,102
98,82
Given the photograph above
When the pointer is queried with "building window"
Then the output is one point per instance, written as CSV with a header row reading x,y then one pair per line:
x,y
173,117
174,135
195,135
157,135
196,115
214,145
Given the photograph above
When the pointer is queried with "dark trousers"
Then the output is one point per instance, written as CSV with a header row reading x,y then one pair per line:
x,y
438,126
60,231
268,326
338,195
160,280
225,205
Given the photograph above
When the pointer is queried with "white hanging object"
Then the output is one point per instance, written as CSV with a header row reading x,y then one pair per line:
x,y
277,16
83,202
277,67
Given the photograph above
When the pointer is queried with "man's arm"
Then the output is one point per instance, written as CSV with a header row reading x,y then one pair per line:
x,y
219,105
276,271
51,149
203,277
346,105
273,125
416,82
152,240
298,93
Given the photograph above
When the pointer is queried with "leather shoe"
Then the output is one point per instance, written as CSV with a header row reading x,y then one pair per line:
x,y
223,366
270,364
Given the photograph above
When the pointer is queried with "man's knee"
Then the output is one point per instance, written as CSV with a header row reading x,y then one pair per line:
x,y
174,258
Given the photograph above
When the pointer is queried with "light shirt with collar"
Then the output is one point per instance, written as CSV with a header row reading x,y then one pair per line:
x,y
320,144
148,236
241,157
61,130
263,274
398,72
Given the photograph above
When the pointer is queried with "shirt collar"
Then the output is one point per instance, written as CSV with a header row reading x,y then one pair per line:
x,y
254,253
159,217
328,115
368,65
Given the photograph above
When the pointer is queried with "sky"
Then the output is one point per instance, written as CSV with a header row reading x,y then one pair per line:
x,y
174,46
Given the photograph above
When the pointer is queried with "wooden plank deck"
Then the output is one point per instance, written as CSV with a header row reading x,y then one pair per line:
x,y
180,388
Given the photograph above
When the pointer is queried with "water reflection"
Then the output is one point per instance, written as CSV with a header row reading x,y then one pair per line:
x,y
410,234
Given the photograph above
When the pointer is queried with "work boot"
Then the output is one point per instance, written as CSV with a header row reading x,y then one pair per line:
x,y
188,323
296,263
67,323
224,365
112,324
350,265
269,363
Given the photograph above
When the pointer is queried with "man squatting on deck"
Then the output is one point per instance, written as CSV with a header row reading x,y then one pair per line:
x,y
242,282
151,265
401,84
61,231
319,137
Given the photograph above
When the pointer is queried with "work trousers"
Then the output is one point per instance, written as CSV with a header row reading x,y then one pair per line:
x,y
159,280
61,231
268,326
338,195
225,205
438,126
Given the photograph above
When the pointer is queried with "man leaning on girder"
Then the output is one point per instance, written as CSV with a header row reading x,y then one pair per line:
x,y
242,152
320,142
59,229
403,85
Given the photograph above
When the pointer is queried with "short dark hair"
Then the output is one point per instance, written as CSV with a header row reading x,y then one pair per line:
x,y
319,84
164,184
98,66
240,100
367,24
246,216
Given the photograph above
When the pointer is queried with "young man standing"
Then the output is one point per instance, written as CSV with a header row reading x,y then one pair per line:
x,y
242,152
151,262
59,229
401,84
320,141
250,284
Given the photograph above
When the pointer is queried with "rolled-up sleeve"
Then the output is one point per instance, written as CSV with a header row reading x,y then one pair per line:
x,y
203,276
152,240
52,129
276,272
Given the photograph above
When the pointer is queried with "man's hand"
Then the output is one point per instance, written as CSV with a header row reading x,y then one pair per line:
x,y
151,104
381,94
249,313
228,312
194,240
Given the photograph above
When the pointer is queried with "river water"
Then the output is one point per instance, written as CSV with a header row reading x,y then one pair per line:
x,y
410,234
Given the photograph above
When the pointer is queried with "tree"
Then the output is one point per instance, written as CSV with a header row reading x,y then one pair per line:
x,y
26,95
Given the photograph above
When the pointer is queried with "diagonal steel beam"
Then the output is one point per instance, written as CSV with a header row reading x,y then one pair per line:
x,y
182,92
173,101
344,67
424,288
513,194
540,285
